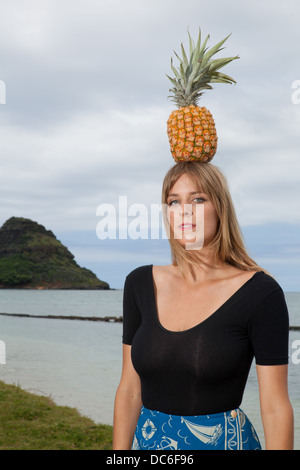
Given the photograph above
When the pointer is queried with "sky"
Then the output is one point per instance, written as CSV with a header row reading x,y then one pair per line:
x,y
83,111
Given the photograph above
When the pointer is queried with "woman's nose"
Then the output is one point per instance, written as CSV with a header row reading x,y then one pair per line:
x,y
186,209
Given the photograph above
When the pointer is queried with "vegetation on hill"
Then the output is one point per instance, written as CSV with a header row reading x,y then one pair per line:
x,y
32,257
32,422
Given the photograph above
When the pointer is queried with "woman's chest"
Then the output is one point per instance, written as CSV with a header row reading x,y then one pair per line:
x,y
179,310
214,345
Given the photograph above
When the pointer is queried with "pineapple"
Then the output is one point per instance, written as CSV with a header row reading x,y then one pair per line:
x,y
191,129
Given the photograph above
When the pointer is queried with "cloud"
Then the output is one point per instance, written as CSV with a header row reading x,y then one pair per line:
x,y
89,160
86,106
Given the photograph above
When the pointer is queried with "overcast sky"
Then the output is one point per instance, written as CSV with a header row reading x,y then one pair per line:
x,y
84,119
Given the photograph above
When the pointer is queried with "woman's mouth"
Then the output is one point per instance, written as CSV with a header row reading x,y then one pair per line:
x,y
187,226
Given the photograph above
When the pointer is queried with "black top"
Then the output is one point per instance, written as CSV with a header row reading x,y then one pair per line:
x,y
204,369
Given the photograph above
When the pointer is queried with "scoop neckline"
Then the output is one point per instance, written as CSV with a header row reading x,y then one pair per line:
x,y
178,332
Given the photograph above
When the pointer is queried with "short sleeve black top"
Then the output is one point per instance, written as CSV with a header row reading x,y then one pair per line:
x,y
204,369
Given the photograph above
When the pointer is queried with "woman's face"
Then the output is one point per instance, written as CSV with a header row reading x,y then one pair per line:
x,y
191,215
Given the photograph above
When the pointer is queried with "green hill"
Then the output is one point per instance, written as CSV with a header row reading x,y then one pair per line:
x,y
32,257
33,422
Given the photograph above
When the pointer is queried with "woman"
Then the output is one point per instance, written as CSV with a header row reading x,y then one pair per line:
x,y
191,330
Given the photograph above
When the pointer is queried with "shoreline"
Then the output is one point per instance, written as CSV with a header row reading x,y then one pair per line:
x,y
110,319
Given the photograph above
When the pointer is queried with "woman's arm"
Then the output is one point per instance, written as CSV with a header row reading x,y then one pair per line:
x,y
127,404
276,409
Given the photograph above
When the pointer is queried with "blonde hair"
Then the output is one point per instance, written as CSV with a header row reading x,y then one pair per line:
x,y
228,245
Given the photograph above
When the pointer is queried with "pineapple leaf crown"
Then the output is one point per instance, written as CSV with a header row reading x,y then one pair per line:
x,y
197,73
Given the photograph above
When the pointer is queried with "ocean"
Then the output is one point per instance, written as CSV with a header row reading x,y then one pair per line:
x,y
78,363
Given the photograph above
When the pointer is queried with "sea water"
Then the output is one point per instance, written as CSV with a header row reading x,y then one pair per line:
x,y
78,363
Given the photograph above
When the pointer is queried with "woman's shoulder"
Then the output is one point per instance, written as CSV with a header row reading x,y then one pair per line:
x,y
260,287
259,279
164,270
266,281
149,271
139,273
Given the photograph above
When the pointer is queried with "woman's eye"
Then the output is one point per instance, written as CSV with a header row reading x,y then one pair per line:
x,y
198,200
172,203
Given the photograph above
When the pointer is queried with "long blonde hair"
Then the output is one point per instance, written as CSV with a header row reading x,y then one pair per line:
x,y
228,245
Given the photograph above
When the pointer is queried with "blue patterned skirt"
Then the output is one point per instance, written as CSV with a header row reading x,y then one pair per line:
x,y
231,430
